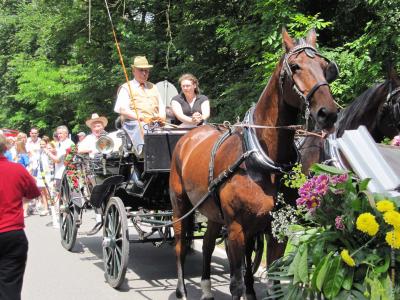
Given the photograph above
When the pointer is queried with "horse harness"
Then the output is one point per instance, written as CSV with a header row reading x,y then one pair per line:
x,y
331,73
393,104
253,155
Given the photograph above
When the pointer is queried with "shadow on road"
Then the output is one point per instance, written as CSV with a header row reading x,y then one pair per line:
x,y
156,266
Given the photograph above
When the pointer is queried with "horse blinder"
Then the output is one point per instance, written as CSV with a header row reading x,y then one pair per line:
x,y
331,71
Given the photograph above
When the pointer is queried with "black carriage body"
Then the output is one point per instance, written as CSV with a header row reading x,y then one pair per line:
x,y
158,148
159,145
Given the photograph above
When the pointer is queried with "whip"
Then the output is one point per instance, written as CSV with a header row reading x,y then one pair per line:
x,y
124,69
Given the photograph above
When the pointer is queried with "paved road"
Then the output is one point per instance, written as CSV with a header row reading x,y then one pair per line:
x,y
54,273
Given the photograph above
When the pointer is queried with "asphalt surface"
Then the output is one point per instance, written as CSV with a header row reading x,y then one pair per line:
x,y
54,273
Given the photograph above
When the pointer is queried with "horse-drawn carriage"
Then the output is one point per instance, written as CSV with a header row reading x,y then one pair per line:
x,y
105,184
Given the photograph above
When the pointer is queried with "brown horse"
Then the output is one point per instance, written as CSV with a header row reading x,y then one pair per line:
x,y
377,108
256,157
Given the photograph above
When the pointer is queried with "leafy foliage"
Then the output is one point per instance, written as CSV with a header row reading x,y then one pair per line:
x,y
52,74
347,244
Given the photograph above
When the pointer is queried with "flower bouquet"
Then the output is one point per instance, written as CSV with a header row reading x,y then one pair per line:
x,y
72,172
345,244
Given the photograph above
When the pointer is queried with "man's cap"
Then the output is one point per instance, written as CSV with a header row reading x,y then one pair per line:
x,y
141,63
81,134
95,118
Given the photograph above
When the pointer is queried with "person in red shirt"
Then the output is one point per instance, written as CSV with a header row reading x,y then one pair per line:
x,y
16,185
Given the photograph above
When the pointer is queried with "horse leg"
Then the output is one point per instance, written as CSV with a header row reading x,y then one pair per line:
x,y
213,231
180,204
275,249
235,249
180,252
248,275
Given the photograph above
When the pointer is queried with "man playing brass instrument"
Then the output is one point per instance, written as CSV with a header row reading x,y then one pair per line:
x,y
144,105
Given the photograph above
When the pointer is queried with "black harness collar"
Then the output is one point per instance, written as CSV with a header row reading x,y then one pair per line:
x,y
259,159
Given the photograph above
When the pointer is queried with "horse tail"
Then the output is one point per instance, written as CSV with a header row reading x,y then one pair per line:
x,y
190,225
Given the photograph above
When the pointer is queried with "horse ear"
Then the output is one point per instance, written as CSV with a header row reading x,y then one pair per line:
x,y
288,42
392,74
312,37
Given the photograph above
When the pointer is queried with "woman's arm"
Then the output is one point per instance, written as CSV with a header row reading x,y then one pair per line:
x,y
205,110
52,156
177,109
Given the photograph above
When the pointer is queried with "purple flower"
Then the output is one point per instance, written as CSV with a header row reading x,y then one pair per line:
x,y
339,223
336,179
312,192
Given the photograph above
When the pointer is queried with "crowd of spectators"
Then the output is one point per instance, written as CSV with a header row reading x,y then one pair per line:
x,y
43,158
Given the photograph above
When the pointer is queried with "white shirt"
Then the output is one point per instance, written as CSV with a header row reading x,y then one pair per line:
x,y
61,148
124,99
89,144
33,149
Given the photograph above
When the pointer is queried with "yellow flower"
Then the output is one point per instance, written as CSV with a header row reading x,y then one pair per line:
x,y
385,205
366,223
393,218
393,239
347,258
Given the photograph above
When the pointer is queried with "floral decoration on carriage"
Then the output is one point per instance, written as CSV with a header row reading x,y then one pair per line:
x,y
72,173
343,241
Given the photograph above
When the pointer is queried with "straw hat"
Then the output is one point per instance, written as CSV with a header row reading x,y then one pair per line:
x,y
141,62
95,118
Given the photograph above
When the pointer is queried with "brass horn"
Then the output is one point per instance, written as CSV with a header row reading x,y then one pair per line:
x,y
105,144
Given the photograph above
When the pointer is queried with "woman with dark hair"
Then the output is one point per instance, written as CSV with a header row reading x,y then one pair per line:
x,y
190,107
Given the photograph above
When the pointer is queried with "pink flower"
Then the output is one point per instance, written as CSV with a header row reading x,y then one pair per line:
x,y
339,223
339,178
396,141
312,192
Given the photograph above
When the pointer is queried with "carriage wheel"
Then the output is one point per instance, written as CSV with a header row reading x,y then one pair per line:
x,y
115,242
69,214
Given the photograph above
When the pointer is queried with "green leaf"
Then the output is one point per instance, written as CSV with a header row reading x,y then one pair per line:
x,y
320,168
348,279
334,278
388,288
293,266
320,272
363,184
302,267
318,252
385,266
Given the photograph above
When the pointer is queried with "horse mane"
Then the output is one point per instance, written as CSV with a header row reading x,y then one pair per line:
x,y
362,110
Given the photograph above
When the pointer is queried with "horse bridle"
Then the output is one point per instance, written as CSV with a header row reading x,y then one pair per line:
x,y
394,106
286,70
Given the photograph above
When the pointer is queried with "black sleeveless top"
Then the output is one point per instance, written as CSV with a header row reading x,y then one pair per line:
x,y
186,109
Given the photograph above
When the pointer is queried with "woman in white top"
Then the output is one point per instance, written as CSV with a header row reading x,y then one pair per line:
x,y
43,176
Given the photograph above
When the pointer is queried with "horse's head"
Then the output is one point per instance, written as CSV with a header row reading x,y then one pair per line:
x,y
389,117
305,76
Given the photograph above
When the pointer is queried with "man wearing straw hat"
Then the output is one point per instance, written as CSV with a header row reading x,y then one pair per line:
x,y
96,125
139,102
